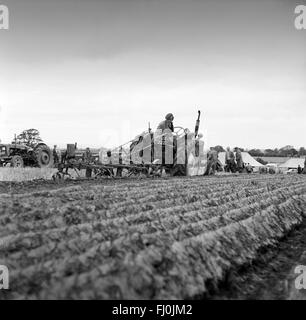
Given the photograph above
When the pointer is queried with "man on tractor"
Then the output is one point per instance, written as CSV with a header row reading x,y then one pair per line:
x,y
167,124
165,132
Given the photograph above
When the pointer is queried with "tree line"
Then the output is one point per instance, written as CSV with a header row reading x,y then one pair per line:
x,y
287,151
31,137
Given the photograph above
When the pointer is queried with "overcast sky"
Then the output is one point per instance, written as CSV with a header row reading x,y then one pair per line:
x,y
96,72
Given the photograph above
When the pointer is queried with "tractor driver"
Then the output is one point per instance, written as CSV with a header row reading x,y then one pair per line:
x,y
164,135
167,123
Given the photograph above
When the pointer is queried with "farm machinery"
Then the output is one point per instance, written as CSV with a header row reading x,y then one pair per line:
x,y
19,155
159,153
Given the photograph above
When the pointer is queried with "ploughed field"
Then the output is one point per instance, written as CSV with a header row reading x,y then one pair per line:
x,y
141,239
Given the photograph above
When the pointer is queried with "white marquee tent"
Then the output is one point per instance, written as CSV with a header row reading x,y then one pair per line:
x,y
246,158
293,163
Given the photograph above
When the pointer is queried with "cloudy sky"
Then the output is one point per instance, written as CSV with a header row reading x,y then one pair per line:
x,y
96,72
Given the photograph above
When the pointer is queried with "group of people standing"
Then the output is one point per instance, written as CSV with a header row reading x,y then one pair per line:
x,y
233,161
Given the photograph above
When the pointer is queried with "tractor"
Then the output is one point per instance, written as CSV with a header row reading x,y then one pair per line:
x,y
19,155
178,153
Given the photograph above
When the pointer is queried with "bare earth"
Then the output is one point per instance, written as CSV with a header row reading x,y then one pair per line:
x,y
231,237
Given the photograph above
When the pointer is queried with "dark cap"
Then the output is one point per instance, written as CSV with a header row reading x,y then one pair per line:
x,y
169,116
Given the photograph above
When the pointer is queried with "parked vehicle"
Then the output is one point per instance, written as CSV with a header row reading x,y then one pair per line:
x,y
291,171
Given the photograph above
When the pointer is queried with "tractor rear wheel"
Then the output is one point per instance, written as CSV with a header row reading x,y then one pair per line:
x,y
193,167
179,170
17,162
43,156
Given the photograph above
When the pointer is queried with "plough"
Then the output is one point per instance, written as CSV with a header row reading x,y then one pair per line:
x,y
180,153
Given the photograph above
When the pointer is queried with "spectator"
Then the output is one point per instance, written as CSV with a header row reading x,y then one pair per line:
x,y
55,155
239,160
249,168
229,160
212,160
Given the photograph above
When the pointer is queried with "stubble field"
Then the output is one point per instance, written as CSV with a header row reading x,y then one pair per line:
x,y
173,238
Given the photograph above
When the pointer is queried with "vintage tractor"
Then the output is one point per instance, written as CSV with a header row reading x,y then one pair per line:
x,y
19,155
178,153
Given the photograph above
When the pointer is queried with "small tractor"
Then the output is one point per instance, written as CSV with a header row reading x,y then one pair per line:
x,y
19,155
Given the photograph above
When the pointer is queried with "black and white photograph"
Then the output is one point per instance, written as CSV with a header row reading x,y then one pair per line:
x,y
152,150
